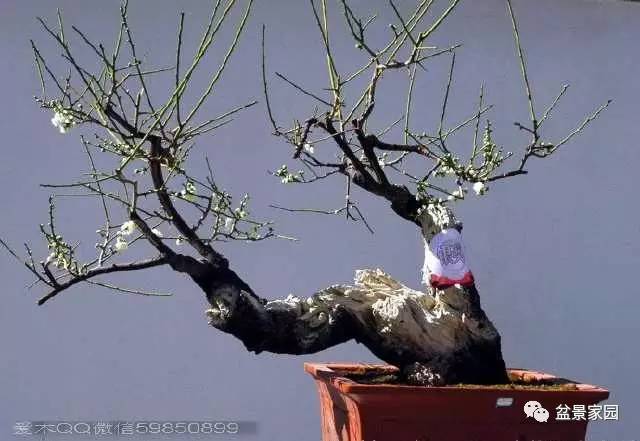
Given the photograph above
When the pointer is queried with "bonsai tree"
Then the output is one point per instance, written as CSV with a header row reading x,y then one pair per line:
x,y
138,147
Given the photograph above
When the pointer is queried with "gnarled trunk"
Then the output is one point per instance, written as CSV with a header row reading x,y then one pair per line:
x,y
440,336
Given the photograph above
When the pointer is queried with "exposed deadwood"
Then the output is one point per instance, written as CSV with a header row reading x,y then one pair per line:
x,y
435,337
440,337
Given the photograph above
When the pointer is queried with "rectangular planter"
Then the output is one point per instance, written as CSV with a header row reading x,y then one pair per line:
x,y
352,411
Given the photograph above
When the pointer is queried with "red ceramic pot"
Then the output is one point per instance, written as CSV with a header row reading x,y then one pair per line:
x,y
353,411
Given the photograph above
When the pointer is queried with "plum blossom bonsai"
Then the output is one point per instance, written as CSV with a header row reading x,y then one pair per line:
x,y
138,150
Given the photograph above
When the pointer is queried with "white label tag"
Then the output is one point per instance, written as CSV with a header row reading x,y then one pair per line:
x,y
504,402
444,260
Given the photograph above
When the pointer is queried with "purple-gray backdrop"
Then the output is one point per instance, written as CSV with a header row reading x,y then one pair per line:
x,y
554,253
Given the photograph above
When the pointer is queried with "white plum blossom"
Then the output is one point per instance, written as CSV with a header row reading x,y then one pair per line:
x,y
179,241
458,194
157,232
308,148
480,188
127,228
228,225
241,213
291,178
189,191
287,177
62,120
121,244
184,194
62,263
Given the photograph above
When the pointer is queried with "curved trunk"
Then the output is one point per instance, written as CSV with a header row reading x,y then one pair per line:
x,y
441,336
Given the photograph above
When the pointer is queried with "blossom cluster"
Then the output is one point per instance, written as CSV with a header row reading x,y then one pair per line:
x,y
189,191
288,177
127,229
62,119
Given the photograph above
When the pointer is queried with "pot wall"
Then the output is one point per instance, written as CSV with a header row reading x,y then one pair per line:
x,y
360,412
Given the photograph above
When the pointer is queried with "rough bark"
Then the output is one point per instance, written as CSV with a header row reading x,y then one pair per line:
x,y
436,337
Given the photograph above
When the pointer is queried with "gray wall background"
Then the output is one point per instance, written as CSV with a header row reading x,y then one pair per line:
x,y
555,253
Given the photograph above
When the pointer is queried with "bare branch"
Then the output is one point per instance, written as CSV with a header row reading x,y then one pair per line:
x,y
276,129
133,266
306,92
523,67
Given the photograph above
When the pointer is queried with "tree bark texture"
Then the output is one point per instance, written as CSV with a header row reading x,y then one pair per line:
x,y
436,337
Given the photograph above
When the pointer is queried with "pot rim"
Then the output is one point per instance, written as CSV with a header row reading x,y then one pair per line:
x,y
334,373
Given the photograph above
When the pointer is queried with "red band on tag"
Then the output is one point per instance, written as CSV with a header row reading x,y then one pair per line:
x,y
443,282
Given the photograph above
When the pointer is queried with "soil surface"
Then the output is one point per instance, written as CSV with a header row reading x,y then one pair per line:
x,y
517,382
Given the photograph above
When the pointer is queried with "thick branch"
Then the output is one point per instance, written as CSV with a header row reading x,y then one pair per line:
x,y
367,147
343,145
157,154
205,250
441,339
403,202
409,148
